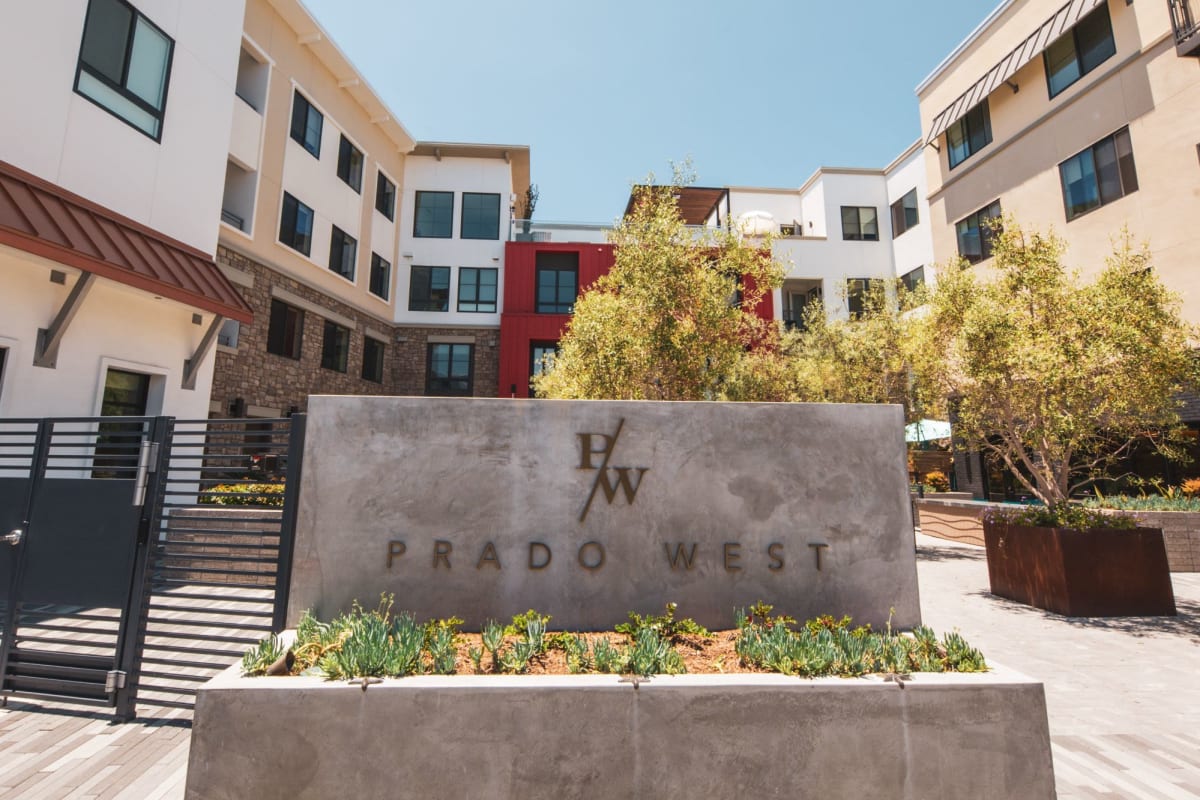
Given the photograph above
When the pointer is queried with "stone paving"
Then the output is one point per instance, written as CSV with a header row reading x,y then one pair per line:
x,y
1123,698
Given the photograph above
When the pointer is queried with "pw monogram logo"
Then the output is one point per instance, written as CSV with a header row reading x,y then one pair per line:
x,y
628,485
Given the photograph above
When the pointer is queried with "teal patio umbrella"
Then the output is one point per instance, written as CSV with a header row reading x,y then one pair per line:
x,y
926,429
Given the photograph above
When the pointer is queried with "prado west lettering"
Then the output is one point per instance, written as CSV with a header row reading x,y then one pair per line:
x,y
592,555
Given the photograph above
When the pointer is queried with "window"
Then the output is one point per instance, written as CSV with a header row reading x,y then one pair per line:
x,y
429,289
335,347
860,224
557,282
381,277
296,224
975,235
477,289
306,124
480,216
350,164
970,134
857,290
3,357
228,335
385,197
449,370
1099,175
913,279
541,356
372,366
434,215
1080,50
125,65
904,213
343,252
286,330
126,394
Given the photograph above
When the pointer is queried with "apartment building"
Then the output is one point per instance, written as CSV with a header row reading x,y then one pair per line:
x,y
371,260
1084,117
110,177
835,234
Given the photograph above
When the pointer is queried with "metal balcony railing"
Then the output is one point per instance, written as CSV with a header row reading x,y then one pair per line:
x,y
1187,31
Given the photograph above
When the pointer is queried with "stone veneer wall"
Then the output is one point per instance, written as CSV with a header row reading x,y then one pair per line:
x,y
1181,535
268,381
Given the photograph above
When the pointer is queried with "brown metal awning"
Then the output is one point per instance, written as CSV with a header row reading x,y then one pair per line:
x,y
46,220
696,203
1058,24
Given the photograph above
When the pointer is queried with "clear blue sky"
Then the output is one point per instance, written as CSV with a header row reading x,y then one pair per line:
x,y
757,93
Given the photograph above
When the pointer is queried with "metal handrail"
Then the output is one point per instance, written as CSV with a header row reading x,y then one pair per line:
x,y
1183,20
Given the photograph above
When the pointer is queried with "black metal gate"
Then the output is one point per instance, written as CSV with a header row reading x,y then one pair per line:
x,y
140,556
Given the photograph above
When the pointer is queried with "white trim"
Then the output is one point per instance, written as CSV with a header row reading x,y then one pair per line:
x,y
972,37
325,313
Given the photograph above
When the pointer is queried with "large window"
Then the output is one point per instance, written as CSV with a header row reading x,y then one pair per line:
x,y
480,216
343,252
124,65
970,134
296,224
286,331
904,213
429,289
450,370
350,164
557,282
541,358
860,223
126,394
385,197
477,289
306,124
857,291
1099,175
913,279
1080,50
335,347
381,277
975,234
372,366
433,216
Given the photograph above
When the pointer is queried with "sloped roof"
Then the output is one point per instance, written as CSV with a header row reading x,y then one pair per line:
x,y
696,203
38,217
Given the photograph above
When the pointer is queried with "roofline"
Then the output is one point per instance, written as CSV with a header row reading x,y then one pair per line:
x,y
390,116
804,187
474,149
912,148
972,37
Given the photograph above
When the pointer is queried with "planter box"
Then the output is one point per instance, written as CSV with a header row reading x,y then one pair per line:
x,y
1181,535
1101,572
592,736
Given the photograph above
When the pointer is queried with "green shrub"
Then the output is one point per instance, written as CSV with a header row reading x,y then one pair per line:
x,y
1072,517
1122,502
666,625
262,495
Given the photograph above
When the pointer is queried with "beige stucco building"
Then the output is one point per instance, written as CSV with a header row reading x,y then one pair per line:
x,y
1084,118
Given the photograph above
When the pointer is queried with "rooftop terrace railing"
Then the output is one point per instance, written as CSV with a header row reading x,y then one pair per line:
x,y
1187,31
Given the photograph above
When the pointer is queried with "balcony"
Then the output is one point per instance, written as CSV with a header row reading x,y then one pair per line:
x,y
1187,31
244,138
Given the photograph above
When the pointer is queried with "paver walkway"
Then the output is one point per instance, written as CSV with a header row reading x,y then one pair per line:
x,y
1123,698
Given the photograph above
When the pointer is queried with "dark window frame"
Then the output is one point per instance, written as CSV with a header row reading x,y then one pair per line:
x,y
900,213
857,290
911,280
984,232
555,306
1081,67
288,341
159,114
445,390
437,222
337,253
475,223
416,303
380,264
861,235
299,130
976,127
477,285
3,367
385,198
346,164
534,361
372,346
335,347
1124,171
290,225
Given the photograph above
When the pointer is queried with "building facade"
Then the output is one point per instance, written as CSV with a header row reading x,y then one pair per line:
x,y
110,176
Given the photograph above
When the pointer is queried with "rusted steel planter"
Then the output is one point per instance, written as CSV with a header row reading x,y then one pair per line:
x,y
1102,572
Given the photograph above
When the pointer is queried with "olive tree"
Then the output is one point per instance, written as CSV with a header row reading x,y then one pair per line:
x,y
1056,376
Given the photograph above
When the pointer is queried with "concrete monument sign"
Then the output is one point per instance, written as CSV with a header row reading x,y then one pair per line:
x,y
589,509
